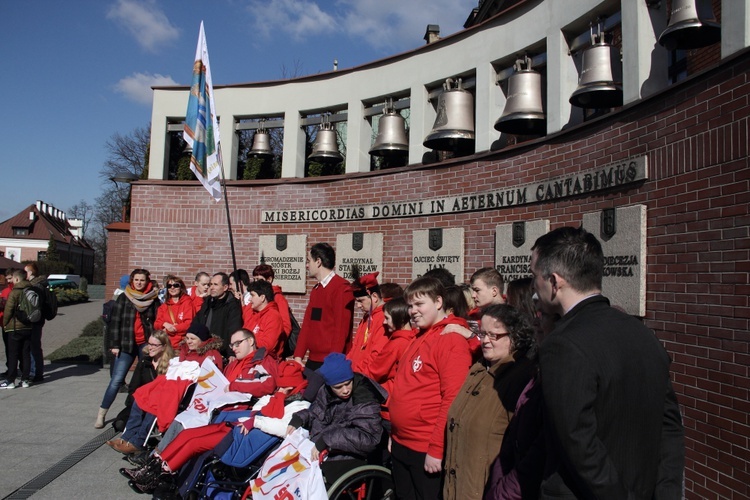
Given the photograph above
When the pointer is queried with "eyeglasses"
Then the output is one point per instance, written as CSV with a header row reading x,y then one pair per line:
x,y
174,285
155,345
235,345
492,336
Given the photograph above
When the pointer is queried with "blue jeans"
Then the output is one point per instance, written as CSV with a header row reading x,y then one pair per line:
x,y
139,423
122,365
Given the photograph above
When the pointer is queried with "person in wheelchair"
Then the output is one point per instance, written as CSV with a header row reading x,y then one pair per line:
x,y
344,419
166,469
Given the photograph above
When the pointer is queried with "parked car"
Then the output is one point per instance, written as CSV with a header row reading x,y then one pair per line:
x,y
70,277
62,285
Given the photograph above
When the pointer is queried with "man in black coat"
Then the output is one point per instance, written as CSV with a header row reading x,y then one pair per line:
x,y
220,312
613,424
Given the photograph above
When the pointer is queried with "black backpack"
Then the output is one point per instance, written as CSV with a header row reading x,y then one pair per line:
x,y
49,303
291,341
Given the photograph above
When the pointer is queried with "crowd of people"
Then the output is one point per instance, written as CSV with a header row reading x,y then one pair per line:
x,y
537,388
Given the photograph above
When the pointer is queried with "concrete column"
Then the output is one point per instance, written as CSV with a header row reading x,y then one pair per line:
x,y
422,118
293,163
229,146
644,61
735,26
357,139
562,80
158,153
486,110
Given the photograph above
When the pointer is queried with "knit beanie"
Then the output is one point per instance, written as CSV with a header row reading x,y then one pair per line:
x,y
199,330
289,374
124,281
336,369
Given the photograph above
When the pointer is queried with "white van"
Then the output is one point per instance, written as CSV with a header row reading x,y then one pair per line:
x,y
71,277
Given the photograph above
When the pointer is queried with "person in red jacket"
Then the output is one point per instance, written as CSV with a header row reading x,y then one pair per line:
x,y
3,299
428,377
176,313
261,316
369,339
400,334
327,325
199,289
265,272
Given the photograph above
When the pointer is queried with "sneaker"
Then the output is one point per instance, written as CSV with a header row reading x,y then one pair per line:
x,y
7,385
25,384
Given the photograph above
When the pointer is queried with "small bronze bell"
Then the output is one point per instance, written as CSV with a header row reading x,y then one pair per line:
x,y
392,139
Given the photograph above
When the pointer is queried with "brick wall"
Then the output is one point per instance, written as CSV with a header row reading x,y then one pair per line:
x,y
695,136
118,256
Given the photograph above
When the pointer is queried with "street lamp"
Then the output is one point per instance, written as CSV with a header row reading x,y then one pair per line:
x,y
128,177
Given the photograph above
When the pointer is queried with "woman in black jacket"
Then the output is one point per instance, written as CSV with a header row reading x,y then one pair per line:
x,y
131,325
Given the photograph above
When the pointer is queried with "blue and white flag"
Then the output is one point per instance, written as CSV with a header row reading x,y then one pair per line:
x,y
201,126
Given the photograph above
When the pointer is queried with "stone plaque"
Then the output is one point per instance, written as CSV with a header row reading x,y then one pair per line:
x,y
362,249
513,244
438,247
286,254
622,234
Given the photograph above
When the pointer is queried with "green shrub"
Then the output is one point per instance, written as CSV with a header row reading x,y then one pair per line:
x,y
93,329
84,285
79,350
67,297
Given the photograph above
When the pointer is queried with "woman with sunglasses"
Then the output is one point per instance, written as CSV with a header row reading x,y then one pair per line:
x,y
132,322
479,415
176,313
158,351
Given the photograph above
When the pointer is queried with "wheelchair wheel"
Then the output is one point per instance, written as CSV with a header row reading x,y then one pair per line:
x,y
367,482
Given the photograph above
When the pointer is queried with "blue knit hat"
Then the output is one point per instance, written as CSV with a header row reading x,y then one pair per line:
x,y
124,281
336,369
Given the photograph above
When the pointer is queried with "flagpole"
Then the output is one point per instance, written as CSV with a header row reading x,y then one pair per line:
x,y
229,228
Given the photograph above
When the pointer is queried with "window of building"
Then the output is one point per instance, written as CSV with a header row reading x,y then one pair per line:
x,y
20,231
41,255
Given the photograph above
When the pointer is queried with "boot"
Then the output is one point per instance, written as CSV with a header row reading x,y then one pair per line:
x,y
153,465
99,424
149,484
166,489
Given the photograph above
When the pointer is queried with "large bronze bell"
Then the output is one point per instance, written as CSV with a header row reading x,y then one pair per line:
x,y
326,147
600,83
261,143
692,25
454,124
391,139
523,113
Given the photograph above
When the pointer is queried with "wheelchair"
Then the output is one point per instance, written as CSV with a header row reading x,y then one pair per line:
x,y
224,478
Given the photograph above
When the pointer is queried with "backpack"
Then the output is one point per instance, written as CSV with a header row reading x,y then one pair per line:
x,y
49,302
291,341
29,308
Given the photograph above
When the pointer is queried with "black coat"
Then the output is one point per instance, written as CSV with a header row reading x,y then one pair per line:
x,y
225,318
613,424
143,373
349,428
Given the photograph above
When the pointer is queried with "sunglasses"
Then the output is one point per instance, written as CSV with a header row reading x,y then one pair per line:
x,y
492,336
174,285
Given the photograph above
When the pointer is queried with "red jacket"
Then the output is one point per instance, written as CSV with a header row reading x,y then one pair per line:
x,y
429,375
180,315
383,367
286,321
266,325
3,299
254,374
197,301
368,341
327,325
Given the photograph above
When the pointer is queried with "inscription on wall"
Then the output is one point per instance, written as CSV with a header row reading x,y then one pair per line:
x,y
365,250
438,247
589,181
622,233
286,254
513,244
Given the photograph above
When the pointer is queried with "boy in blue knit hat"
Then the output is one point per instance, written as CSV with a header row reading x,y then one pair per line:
x,y
344,419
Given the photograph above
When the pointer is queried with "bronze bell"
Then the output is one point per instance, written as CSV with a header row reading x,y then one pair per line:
x,y
261,143
600,83
325,148
454,124
523,113
392,139
692,25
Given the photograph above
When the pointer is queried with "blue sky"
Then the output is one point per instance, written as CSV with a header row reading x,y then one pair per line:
x,y
76,72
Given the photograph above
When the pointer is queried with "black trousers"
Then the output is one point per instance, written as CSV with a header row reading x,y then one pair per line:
x,y
36,350
19,348
409,476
